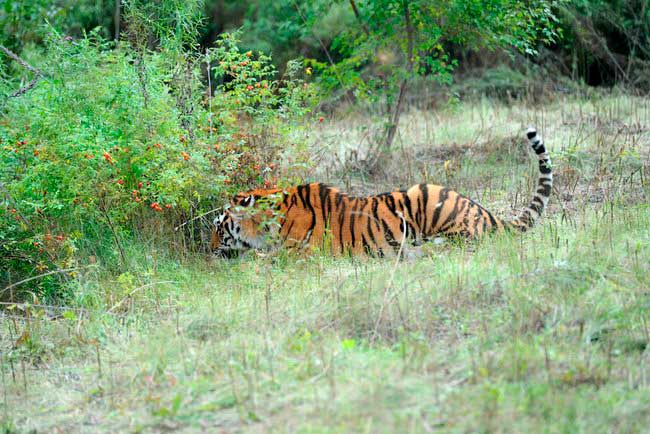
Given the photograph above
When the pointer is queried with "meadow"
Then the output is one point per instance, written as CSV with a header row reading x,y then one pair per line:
x,y
546,331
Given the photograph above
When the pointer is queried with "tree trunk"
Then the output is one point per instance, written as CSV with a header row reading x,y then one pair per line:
x,y
117,18
397,112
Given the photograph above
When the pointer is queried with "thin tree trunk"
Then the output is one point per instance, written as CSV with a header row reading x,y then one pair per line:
x,y
358,16
394,121
117,19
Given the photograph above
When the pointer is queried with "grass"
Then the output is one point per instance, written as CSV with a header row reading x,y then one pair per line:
x,y
545,332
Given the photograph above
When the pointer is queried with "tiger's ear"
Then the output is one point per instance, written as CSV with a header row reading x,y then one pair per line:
x,y
248,201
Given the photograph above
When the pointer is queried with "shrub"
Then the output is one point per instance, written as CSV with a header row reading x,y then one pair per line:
x,y
112,145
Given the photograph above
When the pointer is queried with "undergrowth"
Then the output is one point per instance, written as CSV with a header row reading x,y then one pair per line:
x,y
542,331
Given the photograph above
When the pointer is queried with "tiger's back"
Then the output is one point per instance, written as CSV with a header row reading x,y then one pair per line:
x,y
309,214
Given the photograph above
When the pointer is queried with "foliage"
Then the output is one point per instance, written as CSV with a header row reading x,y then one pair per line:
x,y
606,41
415,37
545,332
23,22
129,141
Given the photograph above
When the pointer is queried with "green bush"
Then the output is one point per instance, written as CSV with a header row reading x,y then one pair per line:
x,y
115,143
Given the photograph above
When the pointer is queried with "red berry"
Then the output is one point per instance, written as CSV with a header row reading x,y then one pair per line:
x,y
139,184
120,182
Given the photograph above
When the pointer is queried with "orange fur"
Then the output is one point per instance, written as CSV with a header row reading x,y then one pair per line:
x,y
374,224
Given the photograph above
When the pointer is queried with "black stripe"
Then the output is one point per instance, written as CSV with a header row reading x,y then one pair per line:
x,y
324,194
341,220
375,214
293,202
484,220
410,230
289,230
493,221
366,246
544,167
536,207
407,203
300,190
369,229
388,234
310,207
425,204
339,199
352,218
390,202
452,215
544,190
328,209
442,198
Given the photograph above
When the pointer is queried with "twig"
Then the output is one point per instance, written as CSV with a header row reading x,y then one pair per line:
x,y
25,89
327,53
119,303
104,210
38,74
197,217
10,199
20,61
392,277
49,273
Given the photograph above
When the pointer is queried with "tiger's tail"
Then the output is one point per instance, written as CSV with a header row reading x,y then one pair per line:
x,y
529,215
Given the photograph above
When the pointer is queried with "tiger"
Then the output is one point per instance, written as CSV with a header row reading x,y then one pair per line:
x,y
308,215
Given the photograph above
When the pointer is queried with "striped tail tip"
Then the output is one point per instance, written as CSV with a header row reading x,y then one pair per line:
x,y
532,212
531,133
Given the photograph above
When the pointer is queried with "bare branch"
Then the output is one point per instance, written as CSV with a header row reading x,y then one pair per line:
x,y
356,14
38,74
49,273
324,47
20,61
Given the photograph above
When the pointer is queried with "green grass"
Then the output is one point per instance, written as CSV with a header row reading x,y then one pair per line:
x,y
543,332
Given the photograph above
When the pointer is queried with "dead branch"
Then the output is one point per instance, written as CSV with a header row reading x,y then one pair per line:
x,y
38,74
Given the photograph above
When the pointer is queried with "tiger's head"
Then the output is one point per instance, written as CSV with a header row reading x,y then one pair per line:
x,y
242,224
